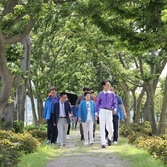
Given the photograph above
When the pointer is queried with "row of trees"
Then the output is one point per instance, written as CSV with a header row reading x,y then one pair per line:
x,y
71,44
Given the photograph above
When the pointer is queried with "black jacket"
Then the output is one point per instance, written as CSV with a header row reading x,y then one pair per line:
x,y
56,111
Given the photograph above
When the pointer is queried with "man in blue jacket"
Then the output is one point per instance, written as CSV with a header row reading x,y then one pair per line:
x,y
52,131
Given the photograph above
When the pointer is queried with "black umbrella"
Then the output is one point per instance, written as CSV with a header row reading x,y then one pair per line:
x,y
72,98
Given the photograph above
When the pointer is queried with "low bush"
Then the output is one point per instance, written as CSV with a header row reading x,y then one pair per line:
x,y
40,135
38,132
18,127
28,144
9,154
140,135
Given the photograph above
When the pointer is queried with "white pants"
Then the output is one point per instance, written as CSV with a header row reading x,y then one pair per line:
x,y
88,127
106,118
62,131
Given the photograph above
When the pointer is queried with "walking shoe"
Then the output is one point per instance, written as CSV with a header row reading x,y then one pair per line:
x,y
109,142
60,146
115,142
63,145
85,144
52,144
48,141
103,146
91,144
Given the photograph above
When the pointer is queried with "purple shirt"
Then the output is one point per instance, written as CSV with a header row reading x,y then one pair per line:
x,y
106,100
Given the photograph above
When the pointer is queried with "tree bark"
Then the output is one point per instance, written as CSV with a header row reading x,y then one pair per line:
x,y
134,105
25,67
126,101
161,127
138,107
149,114
6,78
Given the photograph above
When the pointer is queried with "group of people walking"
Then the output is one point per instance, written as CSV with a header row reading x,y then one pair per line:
x,y
107,108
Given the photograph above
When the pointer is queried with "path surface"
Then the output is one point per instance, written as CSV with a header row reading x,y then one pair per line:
x,y
75,154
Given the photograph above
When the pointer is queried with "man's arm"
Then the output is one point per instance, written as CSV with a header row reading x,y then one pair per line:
x,y
123,109
54,114
97,105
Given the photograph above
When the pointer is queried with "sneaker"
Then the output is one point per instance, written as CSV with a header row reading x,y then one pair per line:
x,y
48,141
91,144
85,144
103,146
52,144
63,145
68,137
60,146
115,142
109,142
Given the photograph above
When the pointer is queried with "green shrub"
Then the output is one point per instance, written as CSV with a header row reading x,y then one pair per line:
x,y
32,127
18,126
9,154
38,132
40,135
142,128
28,144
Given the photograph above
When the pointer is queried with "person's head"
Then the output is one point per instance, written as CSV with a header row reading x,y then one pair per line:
x,y
87,96
53,91
86,89
106,85
63,96
113,90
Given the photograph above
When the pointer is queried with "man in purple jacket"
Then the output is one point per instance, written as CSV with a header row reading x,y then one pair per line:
x,y
106,106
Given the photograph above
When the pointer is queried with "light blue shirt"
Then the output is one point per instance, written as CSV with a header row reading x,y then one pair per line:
x,y
61,108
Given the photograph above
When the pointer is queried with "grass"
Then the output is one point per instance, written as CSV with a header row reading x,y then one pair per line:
x,y
138,157
40,158
124,151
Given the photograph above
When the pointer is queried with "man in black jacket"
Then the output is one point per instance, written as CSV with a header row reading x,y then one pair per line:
x,y
61,117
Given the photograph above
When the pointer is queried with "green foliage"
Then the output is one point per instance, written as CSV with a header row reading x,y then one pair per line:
x,y
144,128
139,135
9,154
38,132
18,127
25,142
4,124
28,144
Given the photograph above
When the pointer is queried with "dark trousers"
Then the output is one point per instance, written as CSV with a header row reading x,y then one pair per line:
x,y
68,129
115,126
81,129
52,131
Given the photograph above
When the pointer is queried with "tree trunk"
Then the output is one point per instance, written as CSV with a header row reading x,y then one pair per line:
x,y
126,101
138,107
25,67
161,128
40,109
134,105
149,114
6,79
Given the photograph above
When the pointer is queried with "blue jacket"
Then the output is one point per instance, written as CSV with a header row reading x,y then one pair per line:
x,y
48,109
82,112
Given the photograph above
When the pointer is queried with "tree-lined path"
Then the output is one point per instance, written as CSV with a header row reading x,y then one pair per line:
x,y
75,154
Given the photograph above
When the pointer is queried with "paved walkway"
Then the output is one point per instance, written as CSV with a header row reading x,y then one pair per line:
x,y
75,154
